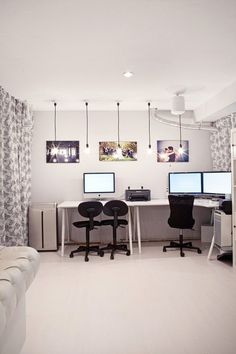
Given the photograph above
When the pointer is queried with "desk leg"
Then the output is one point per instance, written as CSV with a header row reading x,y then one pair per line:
x,y
211,247
138,229
68,223
134,225
63,229
130,231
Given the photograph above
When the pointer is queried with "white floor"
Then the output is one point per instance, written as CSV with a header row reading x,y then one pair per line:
x,y
153,303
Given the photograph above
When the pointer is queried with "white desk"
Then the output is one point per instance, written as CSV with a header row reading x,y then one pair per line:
x,y
65,206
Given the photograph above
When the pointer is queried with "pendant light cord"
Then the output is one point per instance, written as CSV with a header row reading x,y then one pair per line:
x,y
149,126
180,132
86,104
118,124
55,121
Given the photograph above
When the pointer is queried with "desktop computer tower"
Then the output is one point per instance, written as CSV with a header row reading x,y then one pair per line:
x,y
223,229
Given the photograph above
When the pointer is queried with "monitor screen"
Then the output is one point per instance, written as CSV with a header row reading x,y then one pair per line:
x,y
99,182
218,182
185,182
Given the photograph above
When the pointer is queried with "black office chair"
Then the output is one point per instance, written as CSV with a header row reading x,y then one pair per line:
x,y
115,208
181,208
89,210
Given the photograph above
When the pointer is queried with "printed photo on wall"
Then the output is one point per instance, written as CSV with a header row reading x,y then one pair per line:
x,y
62,151
170,151
109,151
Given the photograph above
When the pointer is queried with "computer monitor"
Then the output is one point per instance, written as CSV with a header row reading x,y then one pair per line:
x,y
185,182
98,184
217,182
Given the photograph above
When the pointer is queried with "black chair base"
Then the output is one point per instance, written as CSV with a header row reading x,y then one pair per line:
x,y
115,248
87,250
181,245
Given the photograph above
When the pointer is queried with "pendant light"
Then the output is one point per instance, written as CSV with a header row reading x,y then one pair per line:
x,y
118,128
87,149
149,129
180,136
55,148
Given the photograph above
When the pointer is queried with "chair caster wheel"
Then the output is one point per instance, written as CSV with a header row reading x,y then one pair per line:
x,y
199,251
86,259
182,254
101,253
128,253
164,249
112,256
71,255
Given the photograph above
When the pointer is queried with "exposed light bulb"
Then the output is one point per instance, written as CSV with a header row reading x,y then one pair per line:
x,y
180,150
149,149
87,149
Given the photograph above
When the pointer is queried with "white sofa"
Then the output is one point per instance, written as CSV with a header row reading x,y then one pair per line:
x,y
18,266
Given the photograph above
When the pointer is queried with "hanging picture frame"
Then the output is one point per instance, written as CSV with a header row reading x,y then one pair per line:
x,y
109,151
64,151
169,151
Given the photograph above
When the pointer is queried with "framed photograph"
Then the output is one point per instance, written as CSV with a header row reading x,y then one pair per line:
x,y
169,151
109,151
62,151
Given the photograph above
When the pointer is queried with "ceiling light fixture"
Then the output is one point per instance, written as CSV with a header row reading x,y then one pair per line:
x,y
149,129
178,106
128,74
87,149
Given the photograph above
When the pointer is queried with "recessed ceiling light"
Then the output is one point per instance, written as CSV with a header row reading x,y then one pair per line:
x,y
128,74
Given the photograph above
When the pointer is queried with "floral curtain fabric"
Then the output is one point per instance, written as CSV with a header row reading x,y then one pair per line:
x,y
16,124
220,143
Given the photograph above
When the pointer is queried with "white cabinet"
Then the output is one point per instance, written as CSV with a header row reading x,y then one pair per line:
x,y
43,226
233,169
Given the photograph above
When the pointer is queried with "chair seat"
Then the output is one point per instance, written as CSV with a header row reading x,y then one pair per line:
x,y
111,222
85,223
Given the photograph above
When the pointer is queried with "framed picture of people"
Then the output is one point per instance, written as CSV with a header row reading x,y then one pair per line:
x,y
65,151
109,151
170,151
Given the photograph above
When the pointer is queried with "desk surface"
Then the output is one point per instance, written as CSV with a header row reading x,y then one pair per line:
x,y
207,203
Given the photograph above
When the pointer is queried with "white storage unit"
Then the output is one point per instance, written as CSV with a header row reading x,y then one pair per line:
x,y
43,226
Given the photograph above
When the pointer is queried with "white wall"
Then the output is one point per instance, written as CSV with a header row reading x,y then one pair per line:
x,y
58,182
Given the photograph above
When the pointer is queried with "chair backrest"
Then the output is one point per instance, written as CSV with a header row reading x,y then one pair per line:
x,y
115,208
181,211
89,210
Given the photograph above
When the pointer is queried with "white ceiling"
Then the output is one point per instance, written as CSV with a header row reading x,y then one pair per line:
x,y
71,51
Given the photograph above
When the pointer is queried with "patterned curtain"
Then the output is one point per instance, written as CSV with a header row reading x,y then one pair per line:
x,y
220,143
16,124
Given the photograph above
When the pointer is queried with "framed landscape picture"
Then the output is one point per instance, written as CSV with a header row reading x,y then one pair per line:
x,y
109,151
169,151
66,151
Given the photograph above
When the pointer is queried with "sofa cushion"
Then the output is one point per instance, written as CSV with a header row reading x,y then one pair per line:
x,y
18,267
26,259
